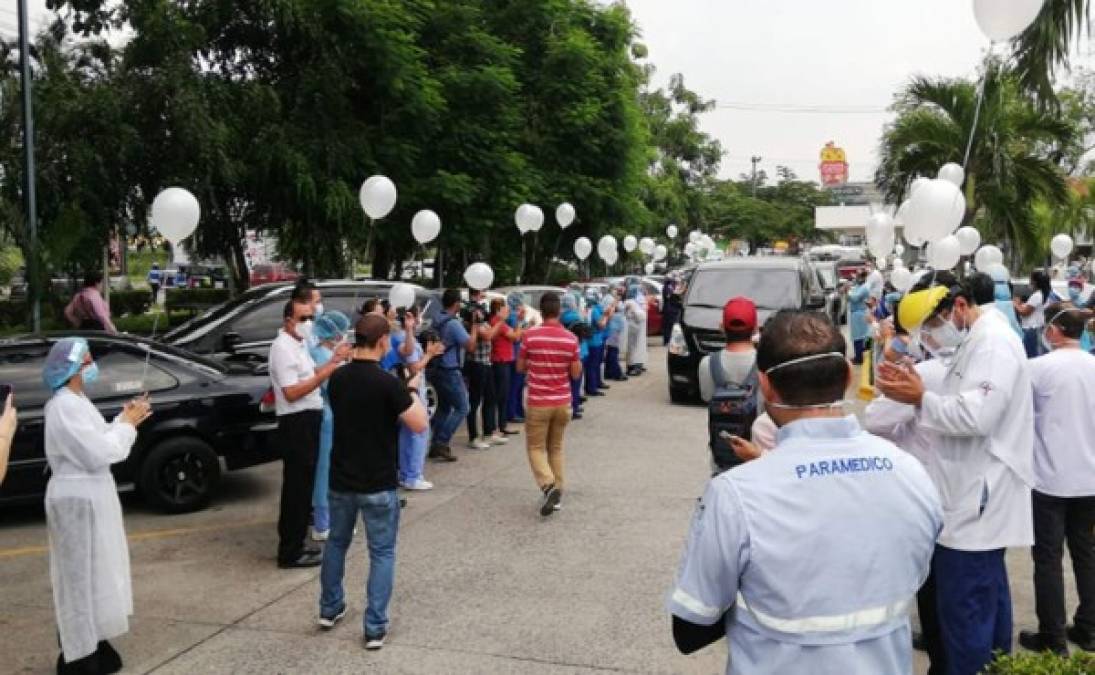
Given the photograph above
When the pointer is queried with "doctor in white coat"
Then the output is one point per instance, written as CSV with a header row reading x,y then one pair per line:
x,y
88,554
982,417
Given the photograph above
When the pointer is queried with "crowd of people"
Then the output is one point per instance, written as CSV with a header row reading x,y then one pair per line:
x,y
991,411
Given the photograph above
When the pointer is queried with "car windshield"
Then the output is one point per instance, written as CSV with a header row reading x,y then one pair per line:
x,y
768,288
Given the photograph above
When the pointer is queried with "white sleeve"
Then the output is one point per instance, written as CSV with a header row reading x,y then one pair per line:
x,y
888,419
979,407
84,437
283,371
716,552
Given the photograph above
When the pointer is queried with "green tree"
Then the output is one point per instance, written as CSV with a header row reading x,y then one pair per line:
x,y
1013,161
1044,48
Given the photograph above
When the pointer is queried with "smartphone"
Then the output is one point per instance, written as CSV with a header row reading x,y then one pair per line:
x,y
727,436
5,392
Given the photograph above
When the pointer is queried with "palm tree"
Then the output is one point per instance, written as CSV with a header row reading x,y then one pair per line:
x,y
1013,159
1044,46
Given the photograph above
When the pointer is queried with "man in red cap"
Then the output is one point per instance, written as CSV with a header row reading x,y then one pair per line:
x,y
739,323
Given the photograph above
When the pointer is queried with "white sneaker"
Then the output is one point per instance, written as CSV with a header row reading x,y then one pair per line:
x,y
419,485
320,535
479,445
498,439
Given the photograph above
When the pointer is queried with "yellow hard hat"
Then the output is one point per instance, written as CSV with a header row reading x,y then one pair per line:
x,y
915,308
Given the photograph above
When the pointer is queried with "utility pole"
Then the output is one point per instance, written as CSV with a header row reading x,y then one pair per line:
x,y
29,196
755,159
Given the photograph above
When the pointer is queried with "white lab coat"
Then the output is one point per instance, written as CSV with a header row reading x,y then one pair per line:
x,y
89,556
896,422
982,458
636,330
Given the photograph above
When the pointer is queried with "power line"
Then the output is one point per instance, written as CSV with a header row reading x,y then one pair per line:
x,y
801,109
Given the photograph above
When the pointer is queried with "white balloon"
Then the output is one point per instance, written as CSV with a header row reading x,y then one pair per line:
x,y
671,231
880,234
1001,20
660,252
537,218
694,236
401,295
175,214
425,226
647,245
529,218
611,258
969,238
377,196
898,262
998,272
952,173
943,254
607,248
899,250
564,215
479,276
1061,245
912,238
880,263
902,211
630,243
917,183
936,211
987,256
649,268
582,248
901,278
690,249
521,218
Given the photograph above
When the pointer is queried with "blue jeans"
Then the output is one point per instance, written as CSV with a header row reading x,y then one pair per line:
x,y
592,368
380,513
321,515
973,602
412,454
516,406
452,404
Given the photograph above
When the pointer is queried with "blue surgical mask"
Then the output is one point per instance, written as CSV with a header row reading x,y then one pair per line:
x,y
90,373
1074,295
1085,341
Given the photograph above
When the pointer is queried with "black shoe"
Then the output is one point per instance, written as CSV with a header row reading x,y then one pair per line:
x,y
583,399
918,642
444,454
1081,639
605,386
110,661
552,495
312,550
596,393
576,416
1037,642
375,642
518,420
402,502
304,560
510,432
328,622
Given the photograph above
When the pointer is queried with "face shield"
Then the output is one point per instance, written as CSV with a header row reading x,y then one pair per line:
x,y
940,337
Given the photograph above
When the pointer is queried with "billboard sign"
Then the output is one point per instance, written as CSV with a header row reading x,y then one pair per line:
x,y
834,165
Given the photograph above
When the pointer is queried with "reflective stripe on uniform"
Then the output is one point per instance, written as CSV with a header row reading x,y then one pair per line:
x,y
695,606
863,618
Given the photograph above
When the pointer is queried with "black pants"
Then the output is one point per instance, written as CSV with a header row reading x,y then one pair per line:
x,y
298,440
1057,520
494,417
480,394
929,626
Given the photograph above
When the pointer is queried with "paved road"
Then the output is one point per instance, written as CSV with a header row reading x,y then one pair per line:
x,y
483,583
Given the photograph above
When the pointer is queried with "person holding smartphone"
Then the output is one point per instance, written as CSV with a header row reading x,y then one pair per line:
x,y
88,553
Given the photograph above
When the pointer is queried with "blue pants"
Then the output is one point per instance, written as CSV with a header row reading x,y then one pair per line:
x,y
321,515
452,404
592,368
575,394
612,363
380,513
412,453
1032,342
516,404
974,607
494,416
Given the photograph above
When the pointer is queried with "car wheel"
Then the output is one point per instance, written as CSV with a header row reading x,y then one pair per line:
x,y
180,474
431,399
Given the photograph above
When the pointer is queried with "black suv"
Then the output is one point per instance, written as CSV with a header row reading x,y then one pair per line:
x,y
773,283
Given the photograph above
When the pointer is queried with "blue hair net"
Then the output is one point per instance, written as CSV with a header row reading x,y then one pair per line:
x,y
607,300
632,291
64,360
514,300
331,325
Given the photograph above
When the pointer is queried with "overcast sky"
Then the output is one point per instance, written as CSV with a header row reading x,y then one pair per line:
x,y
843,54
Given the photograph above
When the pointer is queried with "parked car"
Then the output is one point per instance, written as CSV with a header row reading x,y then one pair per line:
x,y
270,273
531,294
836,302
243,327
773,283
202,413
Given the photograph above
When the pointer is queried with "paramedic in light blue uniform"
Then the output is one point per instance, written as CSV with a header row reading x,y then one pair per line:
x,y
808,558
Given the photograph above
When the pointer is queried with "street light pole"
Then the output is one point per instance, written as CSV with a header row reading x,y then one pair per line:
x,y
755,160
29,196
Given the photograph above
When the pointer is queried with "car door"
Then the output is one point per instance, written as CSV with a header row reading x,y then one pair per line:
x,y
21,367
254,329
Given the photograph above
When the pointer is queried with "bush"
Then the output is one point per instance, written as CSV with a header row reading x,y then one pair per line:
x,y
196,298
1027,663
132,303
14,313
11,260
144,323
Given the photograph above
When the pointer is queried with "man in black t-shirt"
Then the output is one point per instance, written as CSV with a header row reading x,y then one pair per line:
x,y
368,405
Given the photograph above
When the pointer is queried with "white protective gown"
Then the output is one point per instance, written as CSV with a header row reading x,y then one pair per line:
x,y
636,330
88,553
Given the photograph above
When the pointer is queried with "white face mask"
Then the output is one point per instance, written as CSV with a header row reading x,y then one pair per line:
x,y
304,330
318,308
942,342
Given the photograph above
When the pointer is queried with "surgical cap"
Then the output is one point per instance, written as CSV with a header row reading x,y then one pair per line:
x,y
632,291
570,301
514,300
607,300
331,325
64,360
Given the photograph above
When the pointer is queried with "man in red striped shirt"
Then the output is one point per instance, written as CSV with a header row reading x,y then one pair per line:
x,y
551,359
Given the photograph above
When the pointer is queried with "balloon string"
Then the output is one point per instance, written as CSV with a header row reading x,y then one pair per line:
x,y
977,110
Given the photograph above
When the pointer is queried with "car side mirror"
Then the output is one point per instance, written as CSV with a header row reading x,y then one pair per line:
x,y
229,341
